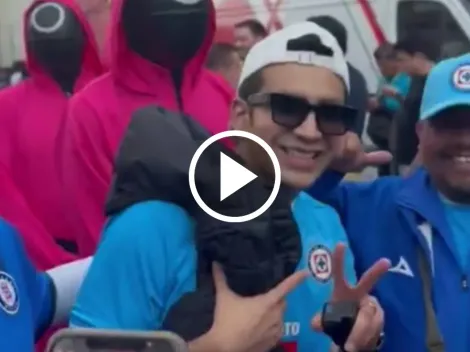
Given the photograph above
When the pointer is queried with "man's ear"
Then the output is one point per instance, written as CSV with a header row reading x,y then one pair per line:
x,y
239,115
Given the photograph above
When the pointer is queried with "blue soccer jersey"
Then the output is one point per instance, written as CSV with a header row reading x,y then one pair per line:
x,y
147,261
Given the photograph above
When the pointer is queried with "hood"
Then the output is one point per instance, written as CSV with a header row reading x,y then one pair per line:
x,y
223,85
153,160
41,248
140,74
153,163
91,63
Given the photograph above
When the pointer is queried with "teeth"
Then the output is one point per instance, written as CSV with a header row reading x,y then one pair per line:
x,y
461,159
301,153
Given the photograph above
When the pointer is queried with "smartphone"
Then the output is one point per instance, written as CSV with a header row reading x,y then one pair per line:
x,y
97,340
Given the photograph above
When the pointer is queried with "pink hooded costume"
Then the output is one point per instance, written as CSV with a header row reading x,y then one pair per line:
x,y
32,119
99,116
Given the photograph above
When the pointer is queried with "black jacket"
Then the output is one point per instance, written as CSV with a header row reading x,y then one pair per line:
x,y
405,143
153,163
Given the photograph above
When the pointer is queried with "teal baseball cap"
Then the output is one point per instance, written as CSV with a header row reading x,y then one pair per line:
x,y
447,86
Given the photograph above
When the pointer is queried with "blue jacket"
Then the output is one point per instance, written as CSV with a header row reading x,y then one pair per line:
x,y
26,295
390,218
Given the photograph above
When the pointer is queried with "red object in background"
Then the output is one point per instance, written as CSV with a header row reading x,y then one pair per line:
x,y
273,6
229,13
289,346
371,18
224,35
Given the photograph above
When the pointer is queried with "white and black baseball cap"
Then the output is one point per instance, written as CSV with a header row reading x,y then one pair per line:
x,y
304,43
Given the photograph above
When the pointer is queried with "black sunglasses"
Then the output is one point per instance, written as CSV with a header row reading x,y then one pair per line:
x,y
290,111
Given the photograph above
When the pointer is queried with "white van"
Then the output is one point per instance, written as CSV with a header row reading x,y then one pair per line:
x,y
369,22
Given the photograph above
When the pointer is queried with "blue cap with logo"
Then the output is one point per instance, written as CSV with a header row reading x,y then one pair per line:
x,y
447,85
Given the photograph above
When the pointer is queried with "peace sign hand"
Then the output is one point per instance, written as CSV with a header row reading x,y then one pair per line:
x,y
370,319
246,324
342,291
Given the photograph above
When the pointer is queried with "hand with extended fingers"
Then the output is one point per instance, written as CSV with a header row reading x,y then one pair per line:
x,y
249,324
353,158
370,319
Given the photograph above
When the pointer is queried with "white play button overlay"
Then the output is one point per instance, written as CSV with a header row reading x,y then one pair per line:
x,y
233,176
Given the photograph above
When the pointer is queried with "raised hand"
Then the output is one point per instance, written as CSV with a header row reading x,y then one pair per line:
x,y
352,157
342,290
249,324
369,322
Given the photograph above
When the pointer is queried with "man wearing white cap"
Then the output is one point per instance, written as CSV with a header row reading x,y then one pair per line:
x,y
291,94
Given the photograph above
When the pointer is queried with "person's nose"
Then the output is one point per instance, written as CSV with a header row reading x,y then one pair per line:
x,y
308,130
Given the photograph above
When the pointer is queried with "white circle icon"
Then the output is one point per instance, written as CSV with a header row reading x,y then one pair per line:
x,y
52,28
229,173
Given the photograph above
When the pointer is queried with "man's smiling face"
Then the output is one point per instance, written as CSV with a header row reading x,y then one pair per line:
x,y
303,151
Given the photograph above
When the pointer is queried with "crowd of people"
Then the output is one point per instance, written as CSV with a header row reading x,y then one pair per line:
x,y
393,108
97,230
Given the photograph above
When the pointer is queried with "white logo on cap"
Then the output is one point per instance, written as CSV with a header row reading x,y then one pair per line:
x,y
461,77
9,299
52,28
